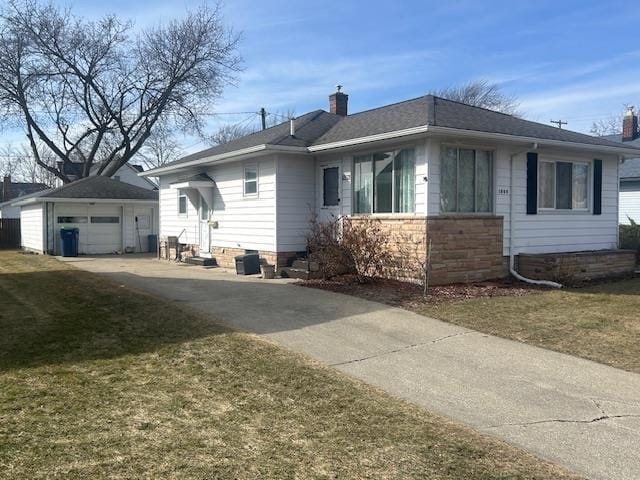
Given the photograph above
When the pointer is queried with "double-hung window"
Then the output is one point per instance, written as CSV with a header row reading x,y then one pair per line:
x,y
466,180
385,182
563,185
182,202
250,181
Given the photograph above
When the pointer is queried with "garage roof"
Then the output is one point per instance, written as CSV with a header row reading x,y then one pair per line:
x,y
97,188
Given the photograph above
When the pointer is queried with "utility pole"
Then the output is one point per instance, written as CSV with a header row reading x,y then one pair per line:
x,y
263,116
559,123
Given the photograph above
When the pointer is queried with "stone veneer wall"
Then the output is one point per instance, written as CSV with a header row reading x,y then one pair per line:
x,y
465,248
225,257
169,247
577,266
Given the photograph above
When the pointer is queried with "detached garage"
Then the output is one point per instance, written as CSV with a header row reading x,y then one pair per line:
x,y
111,216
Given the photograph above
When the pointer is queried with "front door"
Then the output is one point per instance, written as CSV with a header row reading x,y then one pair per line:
x,y
329,191
205,232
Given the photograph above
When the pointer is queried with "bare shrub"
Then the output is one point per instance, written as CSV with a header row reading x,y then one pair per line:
x,y
345,245
324,247
368,246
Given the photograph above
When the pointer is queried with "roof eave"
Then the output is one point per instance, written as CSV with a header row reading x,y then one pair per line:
x,y
32,201
540,141
436,130
263,149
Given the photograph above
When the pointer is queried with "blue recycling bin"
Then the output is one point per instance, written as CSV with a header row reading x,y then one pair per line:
x,y
153,242
69,237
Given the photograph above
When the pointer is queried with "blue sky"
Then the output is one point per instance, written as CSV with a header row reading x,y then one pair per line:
x,y
574,60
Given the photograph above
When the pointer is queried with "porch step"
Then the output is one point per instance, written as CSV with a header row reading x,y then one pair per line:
x,y
300,273
305,265
201,261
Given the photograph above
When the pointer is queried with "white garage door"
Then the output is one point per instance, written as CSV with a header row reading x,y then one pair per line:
x,y
99,225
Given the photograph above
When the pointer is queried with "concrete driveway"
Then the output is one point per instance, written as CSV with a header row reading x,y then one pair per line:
x,y
577,413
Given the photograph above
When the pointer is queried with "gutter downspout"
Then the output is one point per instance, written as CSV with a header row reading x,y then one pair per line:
x,y
512,268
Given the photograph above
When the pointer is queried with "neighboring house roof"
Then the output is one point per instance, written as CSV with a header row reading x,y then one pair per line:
x,y
618,138
19,189
74,169
319,128
630,168
97,188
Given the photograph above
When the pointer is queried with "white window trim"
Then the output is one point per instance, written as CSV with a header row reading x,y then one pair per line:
x,y
393,183
181,193
554,210
244,181
475,148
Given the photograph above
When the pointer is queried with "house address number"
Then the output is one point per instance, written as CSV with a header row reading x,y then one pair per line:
x,y
503,190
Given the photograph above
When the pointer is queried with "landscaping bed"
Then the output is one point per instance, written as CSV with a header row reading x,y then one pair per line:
x,y
410,295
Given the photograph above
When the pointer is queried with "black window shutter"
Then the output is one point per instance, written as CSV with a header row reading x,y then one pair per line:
x,y
532,183
597,187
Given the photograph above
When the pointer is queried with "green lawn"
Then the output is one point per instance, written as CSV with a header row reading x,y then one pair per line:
x,y
600,322
97,381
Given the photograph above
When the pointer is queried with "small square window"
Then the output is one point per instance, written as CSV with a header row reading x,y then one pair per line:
x,y
250,181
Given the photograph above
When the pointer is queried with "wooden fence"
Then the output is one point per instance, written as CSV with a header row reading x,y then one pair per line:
x,y
9,233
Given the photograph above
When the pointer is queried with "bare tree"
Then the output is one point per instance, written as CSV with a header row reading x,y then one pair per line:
x,y
610,125
8,161
20,164
481,93
160,148
229,132
93,91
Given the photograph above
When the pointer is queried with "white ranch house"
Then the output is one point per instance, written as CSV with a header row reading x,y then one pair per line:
x,y
490,190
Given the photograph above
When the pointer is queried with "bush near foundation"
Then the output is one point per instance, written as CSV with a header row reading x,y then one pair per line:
x,y
630,236
340,246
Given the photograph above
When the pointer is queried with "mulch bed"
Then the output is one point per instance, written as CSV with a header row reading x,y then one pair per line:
x,y
409,295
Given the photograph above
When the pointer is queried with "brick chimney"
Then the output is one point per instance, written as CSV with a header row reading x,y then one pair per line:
x,y
338,102
629,126
6,187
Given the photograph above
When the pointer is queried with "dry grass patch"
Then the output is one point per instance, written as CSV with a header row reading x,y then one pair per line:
x,y
99,382
600,322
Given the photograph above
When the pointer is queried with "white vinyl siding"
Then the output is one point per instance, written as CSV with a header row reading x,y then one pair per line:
x,y
243,222
32,227
546,232
296,197
629,202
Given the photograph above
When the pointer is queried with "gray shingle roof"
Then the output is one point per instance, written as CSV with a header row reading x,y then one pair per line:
x,y
630,169
19,189
436,111
99,187
308,128
319,127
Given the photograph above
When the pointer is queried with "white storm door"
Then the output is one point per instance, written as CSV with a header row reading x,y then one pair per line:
x,y
205,229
